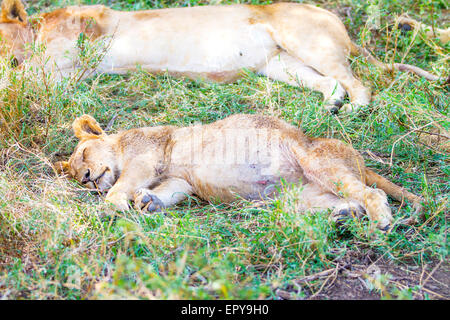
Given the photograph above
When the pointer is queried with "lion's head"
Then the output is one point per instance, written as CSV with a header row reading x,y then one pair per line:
x,y
15,32
94,161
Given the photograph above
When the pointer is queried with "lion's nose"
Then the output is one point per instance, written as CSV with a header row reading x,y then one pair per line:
x,y
86,177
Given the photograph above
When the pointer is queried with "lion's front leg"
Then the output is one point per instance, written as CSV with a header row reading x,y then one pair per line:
x,y
168,193
138,174
118,197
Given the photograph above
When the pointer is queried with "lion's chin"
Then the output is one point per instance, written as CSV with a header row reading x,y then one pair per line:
x,y
105,186
101,189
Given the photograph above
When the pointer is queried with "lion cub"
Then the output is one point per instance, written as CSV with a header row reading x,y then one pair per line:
x,y
243,155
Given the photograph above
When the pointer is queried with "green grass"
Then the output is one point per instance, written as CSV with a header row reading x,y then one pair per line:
x,y
56,243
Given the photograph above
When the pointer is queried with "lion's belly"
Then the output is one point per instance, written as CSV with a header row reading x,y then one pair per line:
x,y
230,182
200,44
229,163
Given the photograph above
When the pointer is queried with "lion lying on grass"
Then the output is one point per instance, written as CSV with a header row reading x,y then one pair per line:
x,y
299,44
246,156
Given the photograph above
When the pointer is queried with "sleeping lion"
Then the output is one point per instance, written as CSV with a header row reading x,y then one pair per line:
x,y
299,44
242,156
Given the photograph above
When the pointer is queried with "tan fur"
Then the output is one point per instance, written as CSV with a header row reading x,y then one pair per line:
x,y
13,12
87,128
299,44
13,30
86,22
247,156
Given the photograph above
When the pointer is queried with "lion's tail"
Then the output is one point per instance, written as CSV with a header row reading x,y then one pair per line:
x,y
393,190
358,50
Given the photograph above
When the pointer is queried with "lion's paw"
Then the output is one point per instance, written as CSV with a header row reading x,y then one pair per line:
x,y
334,106
144,200
346,211
118,199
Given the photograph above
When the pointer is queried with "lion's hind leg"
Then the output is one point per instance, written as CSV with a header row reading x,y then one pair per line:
x,y
338,169
313,198
284,67
166,194
336,65
327,53
345,184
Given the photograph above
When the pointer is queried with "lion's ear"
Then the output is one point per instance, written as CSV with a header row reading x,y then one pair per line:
x,y
13,11
86,127
62,167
